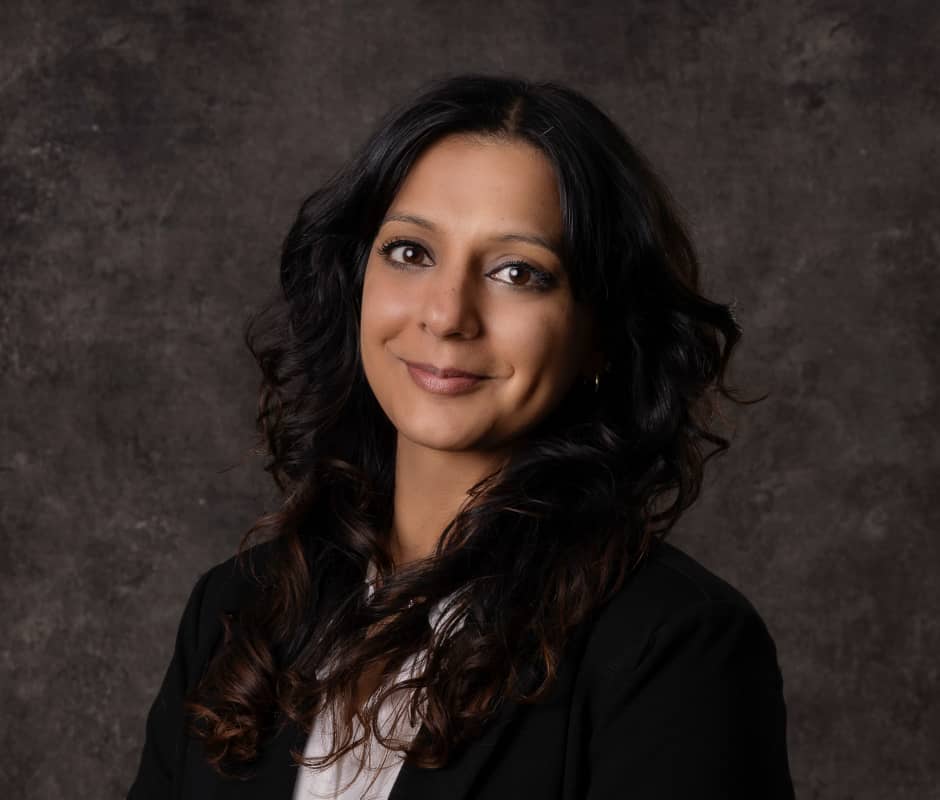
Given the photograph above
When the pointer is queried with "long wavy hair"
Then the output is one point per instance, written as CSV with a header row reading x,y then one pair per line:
x,y
538,547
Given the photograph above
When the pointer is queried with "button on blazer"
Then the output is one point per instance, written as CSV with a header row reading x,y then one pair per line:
x,y
673,690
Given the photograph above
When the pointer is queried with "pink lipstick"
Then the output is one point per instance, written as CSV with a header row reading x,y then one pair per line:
x,y
448,381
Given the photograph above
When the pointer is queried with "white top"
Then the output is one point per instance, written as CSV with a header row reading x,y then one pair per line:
x,y
338,781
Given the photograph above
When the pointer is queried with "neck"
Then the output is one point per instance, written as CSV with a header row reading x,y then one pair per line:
x,y
430,487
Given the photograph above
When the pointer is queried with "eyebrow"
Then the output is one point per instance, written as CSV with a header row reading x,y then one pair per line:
x,y
531,238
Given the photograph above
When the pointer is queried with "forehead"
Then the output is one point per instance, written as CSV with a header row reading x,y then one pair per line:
x,y
462,181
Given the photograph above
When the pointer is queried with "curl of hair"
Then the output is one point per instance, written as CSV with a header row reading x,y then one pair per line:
x,y
539,546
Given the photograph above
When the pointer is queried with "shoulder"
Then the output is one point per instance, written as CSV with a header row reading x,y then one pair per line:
x,y
669,595
681,669
229,583
221,590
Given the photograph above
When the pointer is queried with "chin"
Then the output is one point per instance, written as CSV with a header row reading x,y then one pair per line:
x,y
446,442
440,437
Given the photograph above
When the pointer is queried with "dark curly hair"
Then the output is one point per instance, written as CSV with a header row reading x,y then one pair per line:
x,y
538,547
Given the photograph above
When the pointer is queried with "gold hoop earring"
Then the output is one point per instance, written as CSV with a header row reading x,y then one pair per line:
x,y
597,382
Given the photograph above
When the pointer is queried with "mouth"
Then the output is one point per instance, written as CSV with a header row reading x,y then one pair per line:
x,y
443,381
443,372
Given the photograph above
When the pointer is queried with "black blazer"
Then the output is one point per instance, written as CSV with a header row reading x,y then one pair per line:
x,y
674,691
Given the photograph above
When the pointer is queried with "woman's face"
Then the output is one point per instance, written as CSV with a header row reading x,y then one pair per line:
x,y
463,275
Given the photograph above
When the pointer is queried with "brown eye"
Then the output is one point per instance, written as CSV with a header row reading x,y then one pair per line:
x,y
525,276
515,271
410,251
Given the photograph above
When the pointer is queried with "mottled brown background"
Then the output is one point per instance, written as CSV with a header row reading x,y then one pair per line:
x,y
152,157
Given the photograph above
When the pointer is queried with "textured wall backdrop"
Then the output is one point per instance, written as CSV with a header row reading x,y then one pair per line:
x,y
152,155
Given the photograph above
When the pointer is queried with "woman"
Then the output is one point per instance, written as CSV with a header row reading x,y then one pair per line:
x,y
488,389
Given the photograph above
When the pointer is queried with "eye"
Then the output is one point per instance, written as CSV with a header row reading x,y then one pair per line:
x,y
538,279
410,250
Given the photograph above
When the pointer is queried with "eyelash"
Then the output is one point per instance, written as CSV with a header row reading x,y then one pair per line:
x,y
542,280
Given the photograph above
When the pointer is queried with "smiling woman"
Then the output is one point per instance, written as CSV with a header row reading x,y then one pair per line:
x,y
468,286
489,382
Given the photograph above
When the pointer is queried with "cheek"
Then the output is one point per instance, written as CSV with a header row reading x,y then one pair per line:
x,y
372,325
539,343
369,293
382,304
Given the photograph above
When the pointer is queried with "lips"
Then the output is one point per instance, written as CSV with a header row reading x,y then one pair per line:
x,y
445,372
443,381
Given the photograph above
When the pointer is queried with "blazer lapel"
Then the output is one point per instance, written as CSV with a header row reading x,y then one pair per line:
x,y
455,780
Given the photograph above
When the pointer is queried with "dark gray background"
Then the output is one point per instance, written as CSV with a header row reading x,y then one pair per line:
x,y
152,157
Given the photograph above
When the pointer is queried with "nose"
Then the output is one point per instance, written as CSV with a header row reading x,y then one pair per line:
x,y
450,306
